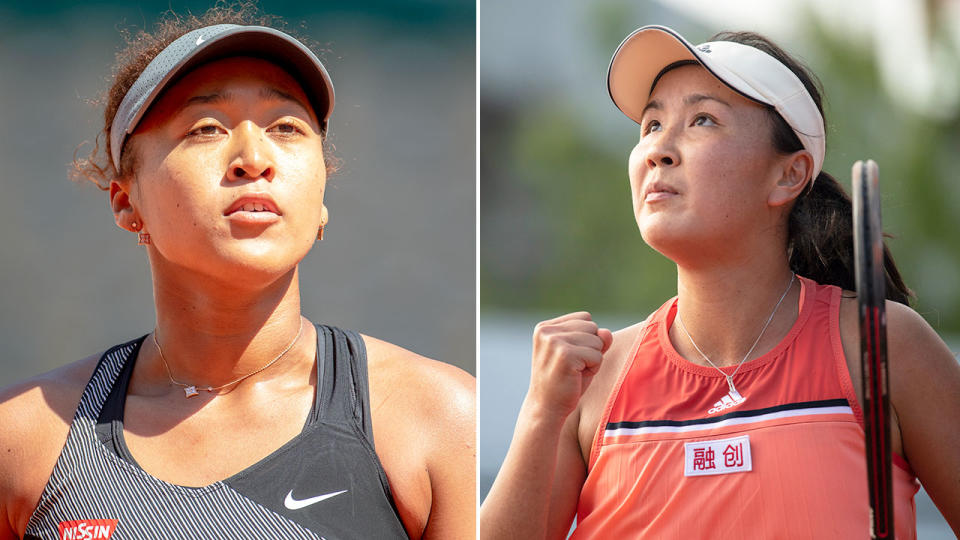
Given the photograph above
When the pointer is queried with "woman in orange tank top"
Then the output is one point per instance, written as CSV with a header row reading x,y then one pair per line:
x,y
733,411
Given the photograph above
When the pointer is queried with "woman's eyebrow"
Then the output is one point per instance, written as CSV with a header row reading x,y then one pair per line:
x,y
215,98
269,92
653,104
692,99
208,99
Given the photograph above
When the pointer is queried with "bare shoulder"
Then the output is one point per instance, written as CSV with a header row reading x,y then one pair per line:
x,y
613,362
35,417
914,347
924,371
624,340
424,407
925,392
925,398
419,381
424,427
595,398
48,400
908,330
918,359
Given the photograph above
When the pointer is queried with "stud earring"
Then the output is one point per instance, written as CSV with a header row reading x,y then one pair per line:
x,y
142,237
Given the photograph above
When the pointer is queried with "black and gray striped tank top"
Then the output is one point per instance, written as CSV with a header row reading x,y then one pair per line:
x,y
326,482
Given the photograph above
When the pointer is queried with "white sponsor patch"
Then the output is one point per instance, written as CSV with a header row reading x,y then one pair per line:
x,y
721,456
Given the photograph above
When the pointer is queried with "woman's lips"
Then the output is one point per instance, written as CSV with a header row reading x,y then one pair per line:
x,y
658,190
254,209
656,196
264,217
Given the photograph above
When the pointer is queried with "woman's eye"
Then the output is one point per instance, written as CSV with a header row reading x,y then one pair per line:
x,y
205,130
653,125
285,129
703,120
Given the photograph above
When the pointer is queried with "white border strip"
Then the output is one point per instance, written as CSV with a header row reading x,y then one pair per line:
x,y
728,422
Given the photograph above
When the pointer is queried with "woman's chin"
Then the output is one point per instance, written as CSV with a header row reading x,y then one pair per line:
x,y
657,231
264,259
249,262
665,238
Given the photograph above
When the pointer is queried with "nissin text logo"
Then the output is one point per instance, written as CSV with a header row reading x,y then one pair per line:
x,y
87,529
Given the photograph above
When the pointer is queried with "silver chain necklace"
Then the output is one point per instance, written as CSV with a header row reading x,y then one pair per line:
x,y
190,390
733,389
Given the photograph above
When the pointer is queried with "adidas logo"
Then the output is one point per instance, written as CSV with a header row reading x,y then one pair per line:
x,y
732,399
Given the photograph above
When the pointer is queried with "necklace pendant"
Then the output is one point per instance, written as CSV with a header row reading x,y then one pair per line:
x,y
190,391
733,390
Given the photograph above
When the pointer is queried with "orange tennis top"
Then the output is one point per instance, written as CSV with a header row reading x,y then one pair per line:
x,y
679,455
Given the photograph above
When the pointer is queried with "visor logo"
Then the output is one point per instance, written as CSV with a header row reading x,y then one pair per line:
x,y
704,48
200,40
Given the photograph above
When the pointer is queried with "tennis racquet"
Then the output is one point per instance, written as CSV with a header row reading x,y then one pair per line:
x,y
871,294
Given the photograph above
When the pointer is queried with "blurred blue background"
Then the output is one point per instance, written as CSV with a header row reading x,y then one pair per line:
x,y
557,227
398,261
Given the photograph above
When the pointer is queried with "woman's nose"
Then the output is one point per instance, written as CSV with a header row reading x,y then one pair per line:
x,y
253,157
662,154
661,149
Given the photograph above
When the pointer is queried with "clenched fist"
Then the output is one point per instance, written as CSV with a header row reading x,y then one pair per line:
x,y
567,352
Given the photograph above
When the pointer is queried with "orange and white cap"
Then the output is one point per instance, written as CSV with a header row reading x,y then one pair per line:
x,y
756,75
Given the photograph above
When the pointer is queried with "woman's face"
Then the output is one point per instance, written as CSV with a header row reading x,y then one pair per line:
x,y
704,167
230,175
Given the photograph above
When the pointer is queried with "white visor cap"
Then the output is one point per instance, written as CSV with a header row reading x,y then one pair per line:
x,y
748,71
212,43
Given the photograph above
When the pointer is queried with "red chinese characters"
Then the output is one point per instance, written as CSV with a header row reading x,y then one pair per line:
x,y
733,455
719,456
703,459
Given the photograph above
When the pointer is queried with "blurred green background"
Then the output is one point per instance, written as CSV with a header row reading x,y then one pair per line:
x,y
557,226
398,261
557,229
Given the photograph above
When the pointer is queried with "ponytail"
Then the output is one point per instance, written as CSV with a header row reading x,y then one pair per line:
x,y
820,240
820,225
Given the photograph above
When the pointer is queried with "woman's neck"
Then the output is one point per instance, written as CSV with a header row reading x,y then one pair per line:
x,y
212,331
724,310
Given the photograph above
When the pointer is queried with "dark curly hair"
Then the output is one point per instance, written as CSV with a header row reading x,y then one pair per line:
x,y
140,49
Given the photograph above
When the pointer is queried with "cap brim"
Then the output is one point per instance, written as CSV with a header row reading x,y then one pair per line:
x,y
637,62
258,42
212,43
643,55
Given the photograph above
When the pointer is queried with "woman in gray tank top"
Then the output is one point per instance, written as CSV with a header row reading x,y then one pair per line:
x,y
235,416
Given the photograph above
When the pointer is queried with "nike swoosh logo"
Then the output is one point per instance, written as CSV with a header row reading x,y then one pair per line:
x,y
294,504
199,40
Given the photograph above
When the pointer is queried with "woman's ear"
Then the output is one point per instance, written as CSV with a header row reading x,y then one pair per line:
x,y
795,174
124,214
